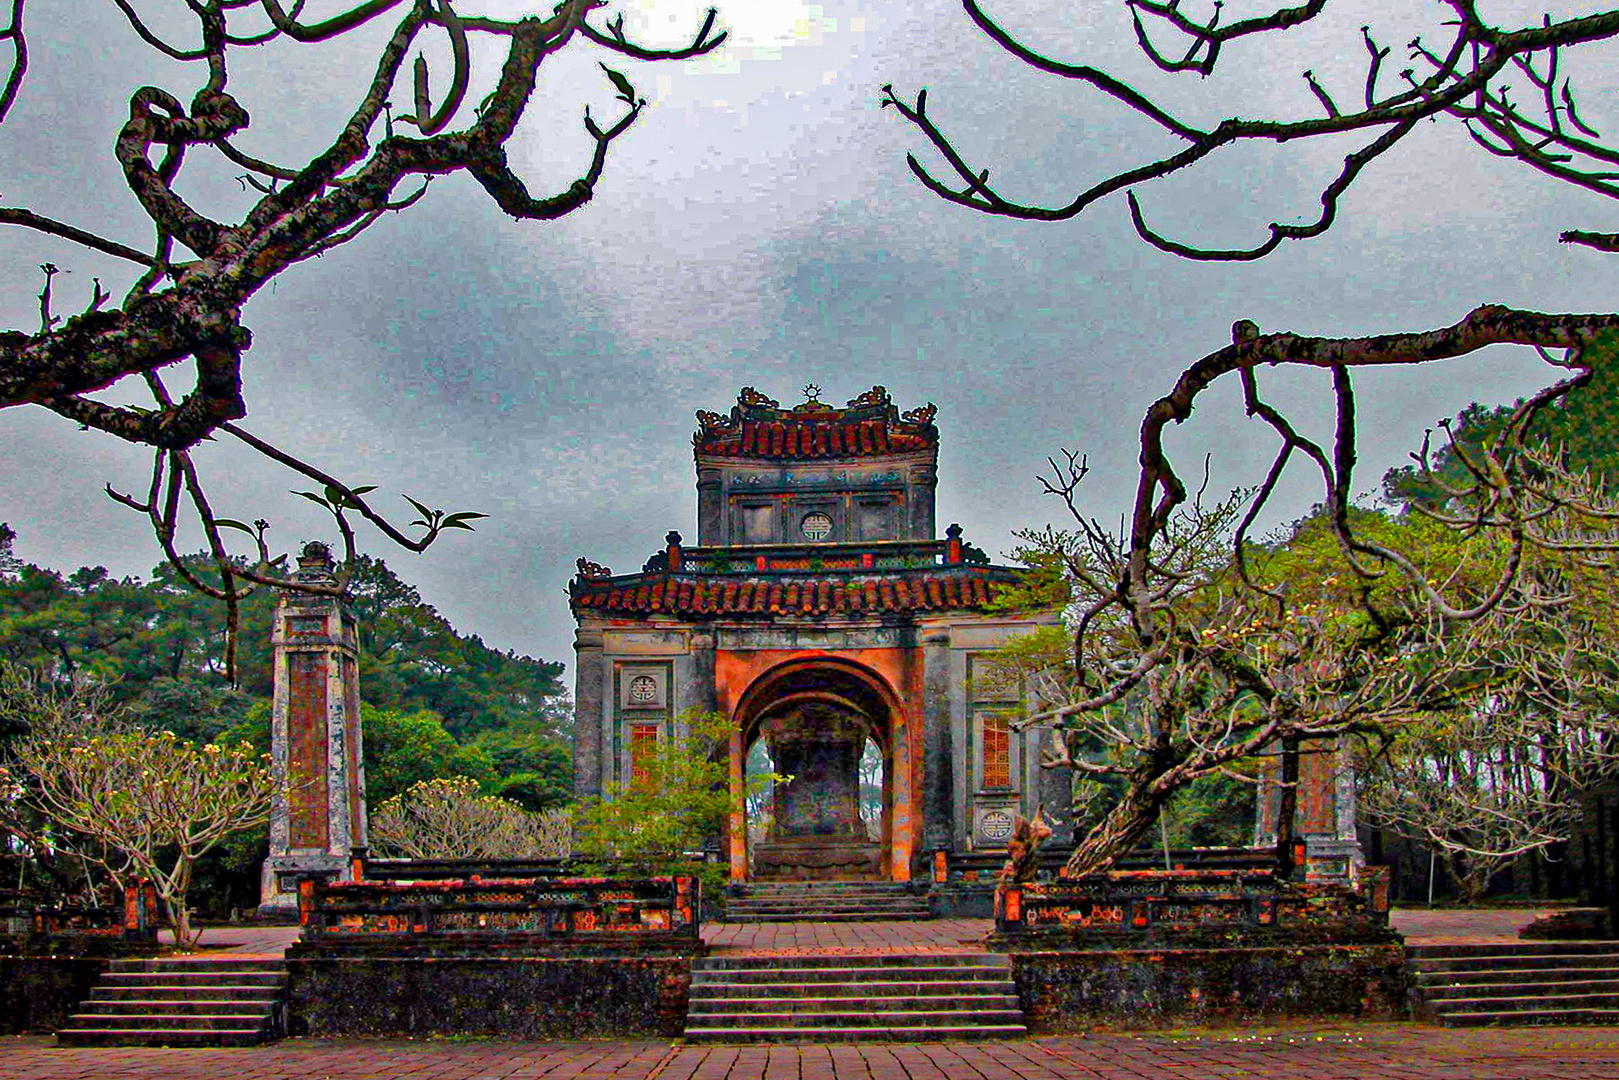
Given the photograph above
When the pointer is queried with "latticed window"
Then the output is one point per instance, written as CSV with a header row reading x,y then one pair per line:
x,y
997,752
643,747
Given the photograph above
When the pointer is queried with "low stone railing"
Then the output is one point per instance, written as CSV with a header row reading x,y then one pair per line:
x,y
1195,907
32,922
505,913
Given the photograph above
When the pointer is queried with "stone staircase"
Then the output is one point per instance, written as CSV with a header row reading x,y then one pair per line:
x,y
825,901
184,1001
880,998
1513,984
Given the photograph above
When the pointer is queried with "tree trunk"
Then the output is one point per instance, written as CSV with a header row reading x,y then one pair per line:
x,y
1118,832
1287,808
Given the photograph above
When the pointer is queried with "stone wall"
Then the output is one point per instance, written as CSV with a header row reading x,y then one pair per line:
x,y
514,997
1075,991
39,993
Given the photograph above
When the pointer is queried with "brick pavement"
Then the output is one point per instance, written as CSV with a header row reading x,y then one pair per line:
x,y
1363,1052
935,935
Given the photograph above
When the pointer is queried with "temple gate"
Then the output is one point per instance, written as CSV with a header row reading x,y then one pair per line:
x,y
820,612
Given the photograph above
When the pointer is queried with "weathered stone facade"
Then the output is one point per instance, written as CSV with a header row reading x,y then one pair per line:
x,y
1324,810
819,599
319,819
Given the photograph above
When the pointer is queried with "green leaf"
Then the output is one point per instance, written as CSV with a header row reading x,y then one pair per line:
x,y
363,488
427,514
464,515
448,524
227,523
312,497
334,496
625,90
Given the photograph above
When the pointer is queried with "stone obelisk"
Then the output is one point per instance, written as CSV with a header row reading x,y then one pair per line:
x,y
319,819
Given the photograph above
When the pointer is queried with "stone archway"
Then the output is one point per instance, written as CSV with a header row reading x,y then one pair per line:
x,y
816,715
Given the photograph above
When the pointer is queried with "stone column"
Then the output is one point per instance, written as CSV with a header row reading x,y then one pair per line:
x,y
938,770
588,753
1054,788
923,480
711,513
319,819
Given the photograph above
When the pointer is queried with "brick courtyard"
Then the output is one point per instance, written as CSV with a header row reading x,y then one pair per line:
x,y
1352,1052
1370,1051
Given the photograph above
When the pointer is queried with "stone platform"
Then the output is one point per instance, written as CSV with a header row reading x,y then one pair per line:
x,y
1419,925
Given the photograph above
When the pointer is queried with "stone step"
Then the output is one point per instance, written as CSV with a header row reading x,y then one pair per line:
x,y
1494,984
966,1004
200,964
1503,961
171,1037
787,904
834,916
1451,1006
143,1021
193,978
1448,950
1528,1018
180,1002
185,993
908,1034
867,965
942,988
909,997
178,1007
878,1015
876,980
800,887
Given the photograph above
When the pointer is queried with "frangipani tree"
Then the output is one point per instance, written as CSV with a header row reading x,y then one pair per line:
x,y
450,818
138,804
1182,658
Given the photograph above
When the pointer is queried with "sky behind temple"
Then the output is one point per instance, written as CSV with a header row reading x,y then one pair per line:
x,y
758,226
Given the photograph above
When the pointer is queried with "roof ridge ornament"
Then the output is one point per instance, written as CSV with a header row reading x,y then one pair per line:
x,y
751,397
876,396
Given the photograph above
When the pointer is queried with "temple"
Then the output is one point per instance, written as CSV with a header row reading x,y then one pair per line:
x,y
850,647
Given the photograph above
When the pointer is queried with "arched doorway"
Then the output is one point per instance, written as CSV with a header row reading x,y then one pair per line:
x,y
827,725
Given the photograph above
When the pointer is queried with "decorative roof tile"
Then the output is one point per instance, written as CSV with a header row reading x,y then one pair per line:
x,y
869,425
889,592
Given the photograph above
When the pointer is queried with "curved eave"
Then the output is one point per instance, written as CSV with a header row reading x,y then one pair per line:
x,y
895,592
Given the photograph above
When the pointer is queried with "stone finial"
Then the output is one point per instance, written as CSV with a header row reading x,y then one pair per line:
x,y
952,545
315,563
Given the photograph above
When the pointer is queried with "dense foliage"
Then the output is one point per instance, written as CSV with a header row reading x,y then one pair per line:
x,y
437,704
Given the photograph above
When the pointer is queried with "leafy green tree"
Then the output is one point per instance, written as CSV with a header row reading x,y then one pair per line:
x,y
533,768
139,804
677,803
1583,428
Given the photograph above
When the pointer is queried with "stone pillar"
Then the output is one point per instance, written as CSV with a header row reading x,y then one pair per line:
x,y
938,769
588,753
1324,814
1054,788
923,480
711,515
319,818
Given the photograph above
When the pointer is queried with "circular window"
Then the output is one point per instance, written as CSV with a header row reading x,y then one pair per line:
x,y
816,526
643,688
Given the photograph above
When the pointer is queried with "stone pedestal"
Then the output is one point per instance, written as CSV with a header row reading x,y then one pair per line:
x,y
319,818
817,831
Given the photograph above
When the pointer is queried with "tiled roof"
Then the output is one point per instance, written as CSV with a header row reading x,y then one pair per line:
x,y
870,425
954,589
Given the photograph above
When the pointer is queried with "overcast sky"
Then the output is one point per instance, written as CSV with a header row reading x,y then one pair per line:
x,y
758,226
